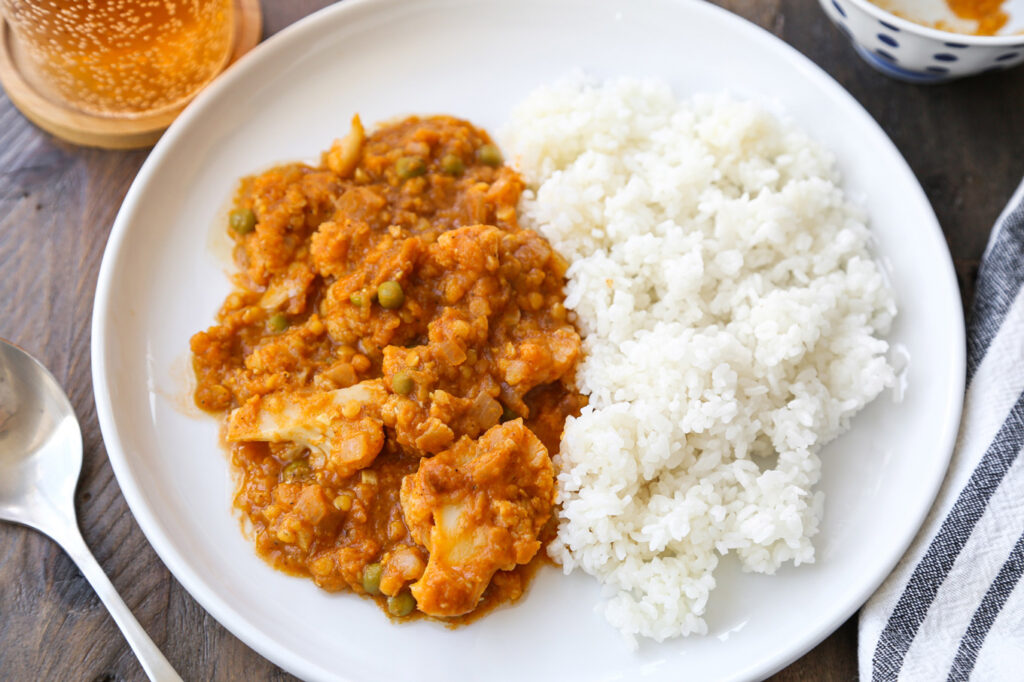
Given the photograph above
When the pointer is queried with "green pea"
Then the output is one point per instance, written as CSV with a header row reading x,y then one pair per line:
x,y
390,295
277,322
402,383
356,299
489,155
452,165
371,578
410,167
242,220
295,470
401,604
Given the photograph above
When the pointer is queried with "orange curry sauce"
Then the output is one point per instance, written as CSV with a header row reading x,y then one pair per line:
x,y
401,451
988,13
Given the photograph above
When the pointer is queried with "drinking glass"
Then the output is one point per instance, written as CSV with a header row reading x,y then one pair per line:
x,y
121,58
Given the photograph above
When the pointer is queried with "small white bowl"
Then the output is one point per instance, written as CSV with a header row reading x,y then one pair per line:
x,y
914,53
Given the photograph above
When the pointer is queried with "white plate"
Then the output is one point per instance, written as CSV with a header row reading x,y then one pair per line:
x,y
160,282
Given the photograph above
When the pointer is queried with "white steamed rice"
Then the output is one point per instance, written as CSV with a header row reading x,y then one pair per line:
x,y
732,318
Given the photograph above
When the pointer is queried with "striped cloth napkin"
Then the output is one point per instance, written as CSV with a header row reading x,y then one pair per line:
x,y
954,607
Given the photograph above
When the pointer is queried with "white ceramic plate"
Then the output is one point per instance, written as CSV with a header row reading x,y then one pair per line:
x,y
161,281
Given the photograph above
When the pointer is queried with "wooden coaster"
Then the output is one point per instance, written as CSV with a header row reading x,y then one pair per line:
x,y
108,132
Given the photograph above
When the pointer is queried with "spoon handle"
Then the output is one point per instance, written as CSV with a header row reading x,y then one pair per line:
x,y
153,662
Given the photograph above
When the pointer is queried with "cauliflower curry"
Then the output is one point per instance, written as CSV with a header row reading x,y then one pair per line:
x,y
394,368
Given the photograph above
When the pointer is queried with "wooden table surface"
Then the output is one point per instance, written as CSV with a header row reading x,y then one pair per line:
x,y
964,141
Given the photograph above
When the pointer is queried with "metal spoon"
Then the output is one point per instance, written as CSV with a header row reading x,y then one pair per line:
x,y
40,461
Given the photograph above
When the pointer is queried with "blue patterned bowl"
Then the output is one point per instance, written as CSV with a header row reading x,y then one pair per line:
x,y
918,54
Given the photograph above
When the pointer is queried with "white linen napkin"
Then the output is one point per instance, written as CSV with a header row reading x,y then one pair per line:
x,y
953,609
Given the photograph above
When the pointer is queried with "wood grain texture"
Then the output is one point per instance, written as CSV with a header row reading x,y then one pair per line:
x,y
965,142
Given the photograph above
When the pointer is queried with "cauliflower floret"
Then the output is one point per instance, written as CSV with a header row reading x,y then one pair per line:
x,y
345,153
289,290
400,567
342,428
478,508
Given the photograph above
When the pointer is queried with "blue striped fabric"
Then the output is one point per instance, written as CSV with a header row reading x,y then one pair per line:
x,y
987,611
929,573
999,279
942,612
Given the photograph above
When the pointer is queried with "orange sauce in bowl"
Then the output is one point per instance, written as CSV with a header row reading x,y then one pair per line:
x,y
988,13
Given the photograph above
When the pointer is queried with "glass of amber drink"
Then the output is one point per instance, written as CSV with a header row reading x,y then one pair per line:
x,y
121,58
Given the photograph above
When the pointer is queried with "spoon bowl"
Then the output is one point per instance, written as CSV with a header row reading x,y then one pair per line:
x,y
40,462
40,445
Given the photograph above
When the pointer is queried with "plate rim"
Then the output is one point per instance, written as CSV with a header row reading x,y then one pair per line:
x,y
219,607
